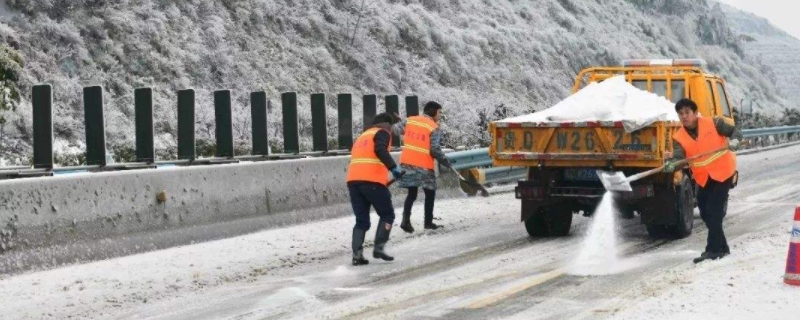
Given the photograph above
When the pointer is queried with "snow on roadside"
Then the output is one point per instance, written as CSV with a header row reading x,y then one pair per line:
x,y
104,288
745,285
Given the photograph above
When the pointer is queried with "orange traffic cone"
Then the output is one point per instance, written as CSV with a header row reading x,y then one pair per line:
x,y
792,276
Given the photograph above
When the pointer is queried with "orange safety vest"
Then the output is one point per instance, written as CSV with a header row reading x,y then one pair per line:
x,y
364,163
719,166
417,142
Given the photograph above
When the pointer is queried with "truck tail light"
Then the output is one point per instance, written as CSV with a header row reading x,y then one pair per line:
x,y
529,192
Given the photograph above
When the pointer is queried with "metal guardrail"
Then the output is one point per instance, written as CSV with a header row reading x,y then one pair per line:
x,y
495,175
461,160
760,132
28,172
767,137
468,159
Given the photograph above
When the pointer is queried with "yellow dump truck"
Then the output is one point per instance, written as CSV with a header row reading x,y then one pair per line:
x,y
563,157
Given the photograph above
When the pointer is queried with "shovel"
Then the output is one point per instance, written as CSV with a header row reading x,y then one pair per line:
x,y
616,180
484,192
391,182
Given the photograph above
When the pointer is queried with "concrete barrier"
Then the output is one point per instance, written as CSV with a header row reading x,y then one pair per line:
x,y
81,217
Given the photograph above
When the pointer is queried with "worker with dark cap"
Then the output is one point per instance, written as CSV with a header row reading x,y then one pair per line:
x,y
713,173
367,182
422,140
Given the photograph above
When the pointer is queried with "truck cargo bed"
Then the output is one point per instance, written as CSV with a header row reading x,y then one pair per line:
x,y
580,144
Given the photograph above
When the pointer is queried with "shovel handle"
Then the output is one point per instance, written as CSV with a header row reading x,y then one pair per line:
x,y
402,173
646,173
458,174
679,163
686,161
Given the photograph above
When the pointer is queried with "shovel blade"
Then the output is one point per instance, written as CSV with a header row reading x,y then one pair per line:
x,y
614,180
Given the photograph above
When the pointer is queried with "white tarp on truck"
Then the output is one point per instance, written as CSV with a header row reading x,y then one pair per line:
x,y
611,100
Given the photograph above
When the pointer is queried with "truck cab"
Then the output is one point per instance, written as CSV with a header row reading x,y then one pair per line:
x,y
562,158
672,79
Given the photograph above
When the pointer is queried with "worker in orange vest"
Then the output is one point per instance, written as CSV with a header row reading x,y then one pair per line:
x,y
367,180
421,145
714,174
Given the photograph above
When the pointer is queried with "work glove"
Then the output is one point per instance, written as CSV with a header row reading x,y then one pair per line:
x,y
396,173
446,163
669,166
733,144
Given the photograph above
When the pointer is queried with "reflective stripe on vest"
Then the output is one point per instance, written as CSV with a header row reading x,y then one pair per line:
x,y
719,166
364,163
417,142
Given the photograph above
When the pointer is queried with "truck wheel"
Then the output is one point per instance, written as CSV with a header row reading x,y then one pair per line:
x,y
684,206
656,231
535,225
559,222
626,211
549,222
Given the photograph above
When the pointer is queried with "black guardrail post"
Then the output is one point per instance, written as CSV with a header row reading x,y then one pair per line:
x,y
319,122
344,107
412,106
42,100
291,133
224,127
393,107
258,112
143,102
186,137
370,109
95,125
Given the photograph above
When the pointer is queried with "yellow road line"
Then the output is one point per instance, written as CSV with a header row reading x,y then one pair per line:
x,y
490,300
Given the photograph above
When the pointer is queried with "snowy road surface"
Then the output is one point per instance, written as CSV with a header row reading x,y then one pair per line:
x,y
481,265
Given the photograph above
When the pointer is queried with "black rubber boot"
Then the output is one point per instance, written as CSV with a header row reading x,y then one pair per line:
x,y
703,256
429,222
430,196
358,247
432,226
406,224
381,238
710,256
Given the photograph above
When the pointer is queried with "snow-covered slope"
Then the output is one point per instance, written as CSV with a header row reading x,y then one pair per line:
x,y
481,58
773,47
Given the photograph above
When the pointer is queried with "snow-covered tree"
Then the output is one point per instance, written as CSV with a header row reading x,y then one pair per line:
x,y
10,67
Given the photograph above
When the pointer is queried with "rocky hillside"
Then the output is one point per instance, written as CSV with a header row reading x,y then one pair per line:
x,y
773,47
482,59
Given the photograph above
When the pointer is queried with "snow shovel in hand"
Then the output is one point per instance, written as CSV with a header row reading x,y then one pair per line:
x,y
391,182
484,192
616,180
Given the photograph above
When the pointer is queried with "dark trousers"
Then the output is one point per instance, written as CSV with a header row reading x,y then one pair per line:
x,y
430,197
364,195
713,203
